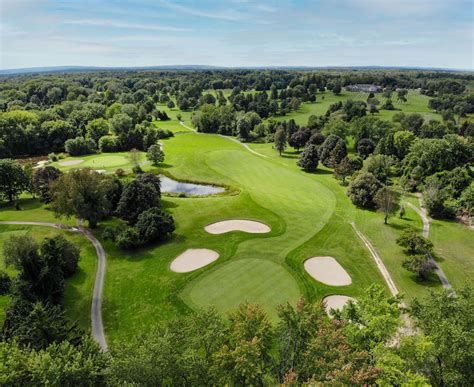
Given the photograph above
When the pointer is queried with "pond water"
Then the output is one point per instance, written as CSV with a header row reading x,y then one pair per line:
x,y
172,186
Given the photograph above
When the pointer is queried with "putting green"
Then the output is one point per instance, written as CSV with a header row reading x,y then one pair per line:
x,y
103,162
108,162
254,280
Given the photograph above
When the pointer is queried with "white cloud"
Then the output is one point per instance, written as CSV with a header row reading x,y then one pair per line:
x,y
120,24
225,15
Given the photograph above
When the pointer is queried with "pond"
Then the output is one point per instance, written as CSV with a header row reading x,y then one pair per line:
x,y
172,186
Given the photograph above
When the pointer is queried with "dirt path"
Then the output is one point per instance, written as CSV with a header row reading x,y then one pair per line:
x,y
378,261
96,310
426,233
229,138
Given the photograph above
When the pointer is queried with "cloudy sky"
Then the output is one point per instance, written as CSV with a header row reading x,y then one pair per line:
x,y
427,33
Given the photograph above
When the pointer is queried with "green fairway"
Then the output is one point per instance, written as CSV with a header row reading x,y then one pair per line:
x,y
417,103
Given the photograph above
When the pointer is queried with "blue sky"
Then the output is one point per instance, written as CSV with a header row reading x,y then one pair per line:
x,y
427,33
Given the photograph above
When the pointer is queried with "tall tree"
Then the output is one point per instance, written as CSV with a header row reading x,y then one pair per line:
x,y
42,179
13,180
80,193
280,140
387,200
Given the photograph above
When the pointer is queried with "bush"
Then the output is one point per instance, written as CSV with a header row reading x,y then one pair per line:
x,y
108,144
42,178
128,239
363,189
137,170
420,264
414,244
5,283
120,172
53,157
109,233
164,133
154,224
309,158
80,146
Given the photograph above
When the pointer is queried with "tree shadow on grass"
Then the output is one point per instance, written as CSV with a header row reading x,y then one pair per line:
x,y
25,204
399,227
166,204
290,156
431,282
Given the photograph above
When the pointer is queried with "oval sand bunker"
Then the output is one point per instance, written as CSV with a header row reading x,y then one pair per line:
x,y
327,270
70,163
336,302
249,226
193,259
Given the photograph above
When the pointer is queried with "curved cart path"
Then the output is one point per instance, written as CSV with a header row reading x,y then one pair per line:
x,y
96,309
229,138
426,233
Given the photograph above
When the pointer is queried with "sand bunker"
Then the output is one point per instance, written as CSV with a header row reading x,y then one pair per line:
x,y
70,163
193,259
249,226
327,270
100,170
336,302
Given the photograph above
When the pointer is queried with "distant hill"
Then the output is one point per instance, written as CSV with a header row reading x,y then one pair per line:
x,y
69,69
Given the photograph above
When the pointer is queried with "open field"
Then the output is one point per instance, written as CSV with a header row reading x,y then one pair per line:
x,y
417,103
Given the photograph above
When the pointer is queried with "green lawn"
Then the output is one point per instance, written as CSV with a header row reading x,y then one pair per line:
x,y
417,103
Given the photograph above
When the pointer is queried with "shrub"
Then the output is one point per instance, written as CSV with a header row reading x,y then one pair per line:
x,y
108,144
109,233
53,157
154,224
363,189
414,243
5,283
420,264
137,170
120,172
164,133
128,239
309,158
80,146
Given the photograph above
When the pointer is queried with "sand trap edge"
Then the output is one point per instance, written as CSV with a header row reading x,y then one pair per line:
x,y
193,259
70,163
327,271
336,301
243,225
